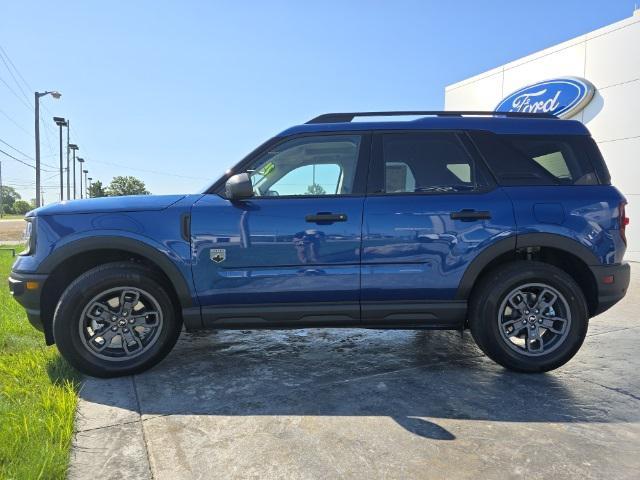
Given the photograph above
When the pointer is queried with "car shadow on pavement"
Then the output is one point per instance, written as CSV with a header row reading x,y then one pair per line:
x,y
413,377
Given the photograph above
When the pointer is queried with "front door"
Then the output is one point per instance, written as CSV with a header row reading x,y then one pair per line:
x,y
291,253
431,210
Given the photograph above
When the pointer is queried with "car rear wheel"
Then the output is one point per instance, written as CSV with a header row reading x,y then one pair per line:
x,y
116,319
529,316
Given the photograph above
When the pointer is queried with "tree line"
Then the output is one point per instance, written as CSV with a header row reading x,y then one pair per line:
x,y
12,202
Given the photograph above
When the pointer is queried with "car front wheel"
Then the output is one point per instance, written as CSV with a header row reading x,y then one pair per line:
x,y
116,319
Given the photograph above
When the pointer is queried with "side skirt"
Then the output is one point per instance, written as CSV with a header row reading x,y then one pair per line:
x,y
448,315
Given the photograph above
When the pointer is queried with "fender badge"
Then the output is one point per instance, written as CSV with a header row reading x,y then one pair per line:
x,y
218,255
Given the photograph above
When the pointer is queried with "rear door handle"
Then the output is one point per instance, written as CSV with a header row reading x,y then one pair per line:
x,y
469,215
326,217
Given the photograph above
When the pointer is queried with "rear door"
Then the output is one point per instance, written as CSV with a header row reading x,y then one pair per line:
x,y
291,253
431,208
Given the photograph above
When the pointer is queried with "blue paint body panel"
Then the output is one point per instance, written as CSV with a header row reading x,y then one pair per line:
x,y
413,250
272,254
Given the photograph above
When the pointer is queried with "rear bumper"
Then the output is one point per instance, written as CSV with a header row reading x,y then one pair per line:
x,y
612,282
28,295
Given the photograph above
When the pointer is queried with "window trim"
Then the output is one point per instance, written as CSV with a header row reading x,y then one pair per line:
x,y
359,181
376,180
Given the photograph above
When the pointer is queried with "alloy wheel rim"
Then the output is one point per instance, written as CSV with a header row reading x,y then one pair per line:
x,y
120,323
534,319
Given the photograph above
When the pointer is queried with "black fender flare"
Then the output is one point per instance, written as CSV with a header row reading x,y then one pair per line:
x,y
515,242
138,247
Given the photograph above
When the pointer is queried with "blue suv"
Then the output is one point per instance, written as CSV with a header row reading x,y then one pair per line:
x,y
503,223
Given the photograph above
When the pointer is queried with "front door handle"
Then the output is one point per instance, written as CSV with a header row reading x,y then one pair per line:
x,y
469,215
326,217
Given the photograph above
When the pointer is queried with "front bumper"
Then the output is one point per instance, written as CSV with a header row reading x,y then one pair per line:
x,y
26,289
612,282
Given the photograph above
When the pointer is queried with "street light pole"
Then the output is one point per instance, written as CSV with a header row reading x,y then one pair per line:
x,y
86,185
68,171
37,96
61,122
81,160
74,147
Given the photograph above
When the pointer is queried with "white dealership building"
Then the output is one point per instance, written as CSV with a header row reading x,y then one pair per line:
x,y
608,58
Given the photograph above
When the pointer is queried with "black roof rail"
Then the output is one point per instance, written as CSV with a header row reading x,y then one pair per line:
x,y
349,116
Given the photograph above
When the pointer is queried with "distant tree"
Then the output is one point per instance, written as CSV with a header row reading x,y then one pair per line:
x,y
122,185
9,196
21,207
315,189
7,209
97,190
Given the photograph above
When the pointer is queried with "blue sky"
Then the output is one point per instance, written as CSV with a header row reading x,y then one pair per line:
x,y
176,92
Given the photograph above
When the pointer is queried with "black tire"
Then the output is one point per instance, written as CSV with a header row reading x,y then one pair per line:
x,y
68,320
485,308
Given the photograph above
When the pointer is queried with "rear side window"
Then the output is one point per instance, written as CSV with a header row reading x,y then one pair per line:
x,y
538,160
427,163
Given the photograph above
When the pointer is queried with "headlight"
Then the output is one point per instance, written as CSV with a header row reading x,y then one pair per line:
x,y
29,237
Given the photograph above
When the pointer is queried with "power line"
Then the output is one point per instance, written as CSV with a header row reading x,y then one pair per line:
x,y
17,150
4,52
16,123
15,94
22,161
145,170
16,159
28,156
14,77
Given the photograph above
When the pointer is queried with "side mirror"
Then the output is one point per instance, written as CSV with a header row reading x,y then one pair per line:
x,y
238,187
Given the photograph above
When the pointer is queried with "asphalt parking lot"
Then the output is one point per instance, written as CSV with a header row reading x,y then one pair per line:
x,y
367,404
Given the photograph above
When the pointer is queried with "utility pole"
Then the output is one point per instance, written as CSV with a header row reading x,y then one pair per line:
x,y
61,122
37,96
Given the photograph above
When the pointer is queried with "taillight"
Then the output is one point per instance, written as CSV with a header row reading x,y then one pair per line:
x,y
624,221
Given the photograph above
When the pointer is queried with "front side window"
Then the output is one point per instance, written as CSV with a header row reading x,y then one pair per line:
x,y
307,166
426,163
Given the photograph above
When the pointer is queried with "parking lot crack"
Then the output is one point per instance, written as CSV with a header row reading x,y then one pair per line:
x,y
144,434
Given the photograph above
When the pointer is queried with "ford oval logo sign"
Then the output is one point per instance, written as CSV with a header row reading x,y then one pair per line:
x,y
562,97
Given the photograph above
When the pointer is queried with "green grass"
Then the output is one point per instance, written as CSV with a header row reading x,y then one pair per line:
x,y
12,216
38,396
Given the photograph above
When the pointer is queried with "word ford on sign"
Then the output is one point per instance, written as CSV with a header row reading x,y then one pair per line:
x,y
562,97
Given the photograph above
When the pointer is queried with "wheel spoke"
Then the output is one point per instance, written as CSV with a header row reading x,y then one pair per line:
x,y
516,324
550,324
128,300
107,336
99,312
518,301
148,319
546,299
534,342
127,338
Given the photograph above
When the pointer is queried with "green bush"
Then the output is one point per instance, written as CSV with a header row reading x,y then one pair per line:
x,y
21,207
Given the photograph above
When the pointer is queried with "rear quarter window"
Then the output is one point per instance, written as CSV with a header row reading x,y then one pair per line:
x,y
537,159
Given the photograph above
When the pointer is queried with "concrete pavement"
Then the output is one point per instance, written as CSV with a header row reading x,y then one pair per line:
x,y
367,404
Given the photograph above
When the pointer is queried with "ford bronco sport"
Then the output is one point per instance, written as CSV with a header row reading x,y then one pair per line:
x,y
503,223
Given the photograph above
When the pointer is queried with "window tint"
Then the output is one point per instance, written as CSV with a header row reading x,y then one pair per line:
x,y
323,165
558,157
537,160
427,163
